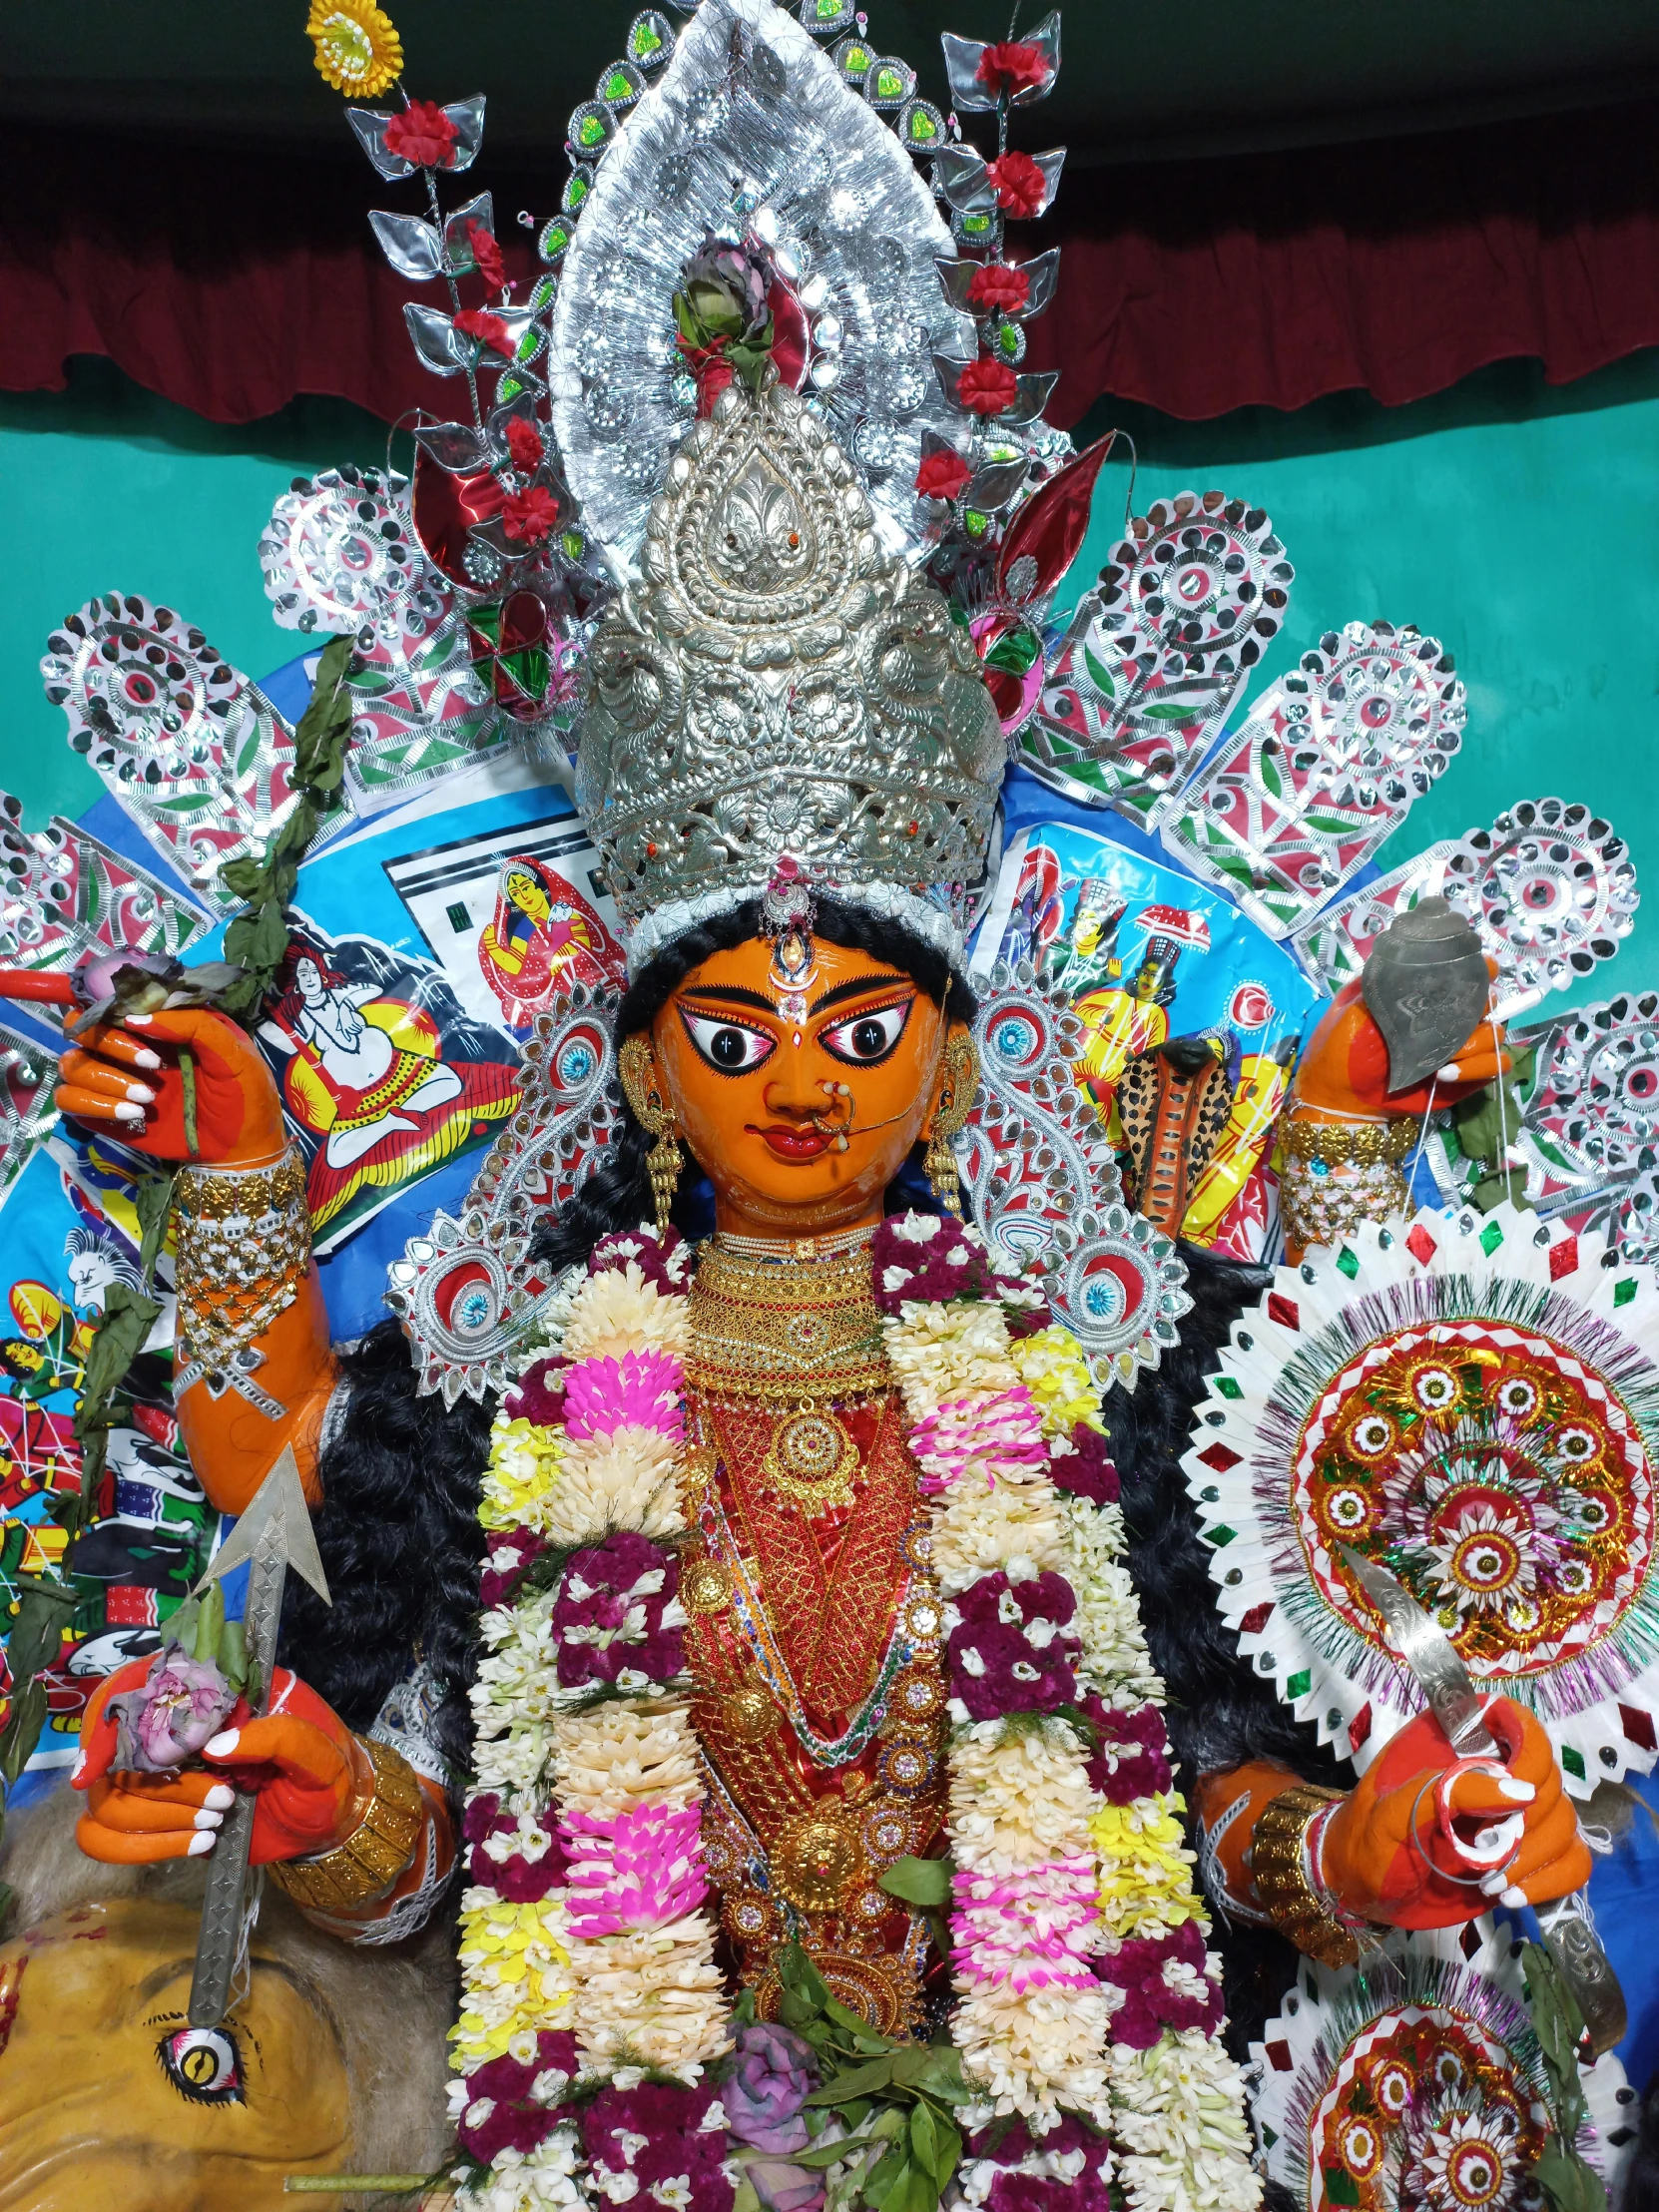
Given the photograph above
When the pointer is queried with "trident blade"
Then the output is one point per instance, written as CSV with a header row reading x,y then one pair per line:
x,y
1568,1930
274,1534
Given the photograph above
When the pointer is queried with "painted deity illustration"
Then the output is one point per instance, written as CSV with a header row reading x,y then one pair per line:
x,y
543,935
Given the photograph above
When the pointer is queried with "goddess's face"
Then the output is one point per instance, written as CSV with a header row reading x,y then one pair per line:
x,y
528,896
751,1069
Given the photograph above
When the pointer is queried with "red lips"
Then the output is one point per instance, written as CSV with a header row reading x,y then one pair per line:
x,y
793,1143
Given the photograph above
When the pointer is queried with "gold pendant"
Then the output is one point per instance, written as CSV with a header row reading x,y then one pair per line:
x,y
812,1459
817,1858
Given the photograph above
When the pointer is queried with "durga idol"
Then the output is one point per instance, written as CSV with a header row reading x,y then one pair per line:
x,y
807,1723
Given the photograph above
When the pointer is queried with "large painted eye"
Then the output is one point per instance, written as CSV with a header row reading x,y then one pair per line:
x,y
731,1046
866,1040
203,2065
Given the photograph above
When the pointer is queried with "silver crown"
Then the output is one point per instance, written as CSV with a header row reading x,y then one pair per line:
x,y
777,687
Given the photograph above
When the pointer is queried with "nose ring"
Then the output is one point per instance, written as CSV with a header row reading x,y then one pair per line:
x,y
842,1106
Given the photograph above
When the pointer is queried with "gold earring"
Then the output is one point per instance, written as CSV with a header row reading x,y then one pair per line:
x,y
636,1067
956,1096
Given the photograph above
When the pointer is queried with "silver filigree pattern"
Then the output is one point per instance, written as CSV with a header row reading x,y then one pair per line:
x,y
778,686
196,754
27,1115
1045,1183
1326,764
1550,887
64,895
1157,653
468,1292
750,123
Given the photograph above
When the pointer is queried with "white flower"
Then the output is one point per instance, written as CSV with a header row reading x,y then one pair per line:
x,y
620,1312
1178,2109
629,1479
894,1279
916,1228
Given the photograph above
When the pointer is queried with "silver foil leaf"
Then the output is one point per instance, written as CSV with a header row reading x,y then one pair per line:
x,y
64,895
1326,764
467,1292
196,754
848,221
340,557
1045,1183
412,246
962,57
1333,945
1158,652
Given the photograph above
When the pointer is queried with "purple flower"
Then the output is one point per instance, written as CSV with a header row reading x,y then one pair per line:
x,y
519,1880
1166,1984
169,1717
539,1394
1007,1652
610,1614
1041,2193
509,1559
927,1259
1133,1758
771,2076
664,1260
1086,1470
783,2187
678,2146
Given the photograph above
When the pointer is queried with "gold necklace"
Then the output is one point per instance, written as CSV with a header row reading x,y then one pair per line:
x,y
786,1331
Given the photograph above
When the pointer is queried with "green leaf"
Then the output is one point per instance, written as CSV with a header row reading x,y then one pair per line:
x,y
1570,2184
856,2081
853,2023
890,2177
949,2153
796,1973
823,2155
22,1731
924,1881
924,2136
153,1203
746,2198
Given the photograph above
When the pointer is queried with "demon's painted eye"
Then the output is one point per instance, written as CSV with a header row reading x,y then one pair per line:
x,y
866,1040
203,2065
731,1046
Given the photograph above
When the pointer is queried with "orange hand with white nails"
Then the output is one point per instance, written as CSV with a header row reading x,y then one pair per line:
x,y
312,1778
126,1078
1428,1839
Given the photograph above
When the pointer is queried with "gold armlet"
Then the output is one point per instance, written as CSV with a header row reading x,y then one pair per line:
x,y
243,1241
377,1852
1276,1869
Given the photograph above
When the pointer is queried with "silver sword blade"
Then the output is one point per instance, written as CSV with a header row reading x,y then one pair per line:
x,y
1568,1930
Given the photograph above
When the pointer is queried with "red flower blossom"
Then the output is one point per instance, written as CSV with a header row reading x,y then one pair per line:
x,y
1012,66
487,329
1018,182
524,443
941,475
986,387
997,286
529,516
422,134
486,252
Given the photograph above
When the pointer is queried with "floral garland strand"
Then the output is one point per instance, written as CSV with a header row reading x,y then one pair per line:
x,y
586,1903
1079,1960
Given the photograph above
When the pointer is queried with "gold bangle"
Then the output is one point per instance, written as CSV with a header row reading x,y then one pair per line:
x,y
1349,1144
1276,1870
377,1852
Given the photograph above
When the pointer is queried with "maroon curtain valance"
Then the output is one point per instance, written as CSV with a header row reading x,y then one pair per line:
x,y
232,278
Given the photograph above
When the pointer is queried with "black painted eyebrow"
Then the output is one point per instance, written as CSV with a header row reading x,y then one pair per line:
x,y
859,987
733,994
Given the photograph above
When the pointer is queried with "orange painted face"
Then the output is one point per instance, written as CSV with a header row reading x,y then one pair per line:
x,y
766,1080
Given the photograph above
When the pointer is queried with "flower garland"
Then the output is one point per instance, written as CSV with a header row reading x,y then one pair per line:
x,y
1079,1953
592,2007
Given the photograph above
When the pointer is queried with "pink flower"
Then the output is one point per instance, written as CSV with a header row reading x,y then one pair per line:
x,y
1027,1930
633,1871
1018,182
422,134
1011,66
1006,1431
985,387
942,475
486,254
487,329
998,286
169,1716
639,1390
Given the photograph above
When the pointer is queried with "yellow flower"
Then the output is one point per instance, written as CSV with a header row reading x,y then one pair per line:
x,y
517,1975
1052,1367
523,1469
358,50
1145,1866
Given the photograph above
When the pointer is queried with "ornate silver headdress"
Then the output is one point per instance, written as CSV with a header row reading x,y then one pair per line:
x,y
781,687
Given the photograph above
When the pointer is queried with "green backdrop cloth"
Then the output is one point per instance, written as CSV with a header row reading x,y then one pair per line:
x,y
1518,524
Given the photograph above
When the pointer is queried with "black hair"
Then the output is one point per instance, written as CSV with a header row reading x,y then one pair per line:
x,y
397,1530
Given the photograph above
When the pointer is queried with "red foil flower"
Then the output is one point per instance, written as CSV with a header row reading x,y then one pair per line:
x,y
996,286
529,516
1012,66
1018,182
985,387
422,134
941,475
524,444
487,329
486,252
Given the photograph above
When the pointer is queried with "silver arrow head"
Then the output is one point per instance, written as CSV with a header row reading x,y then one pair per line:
x,y
280,1505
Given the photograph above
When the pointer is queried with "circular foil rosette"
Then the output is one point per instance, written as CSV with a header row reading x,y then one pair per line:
x,y
1414,2083
1471,1401
1550,888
